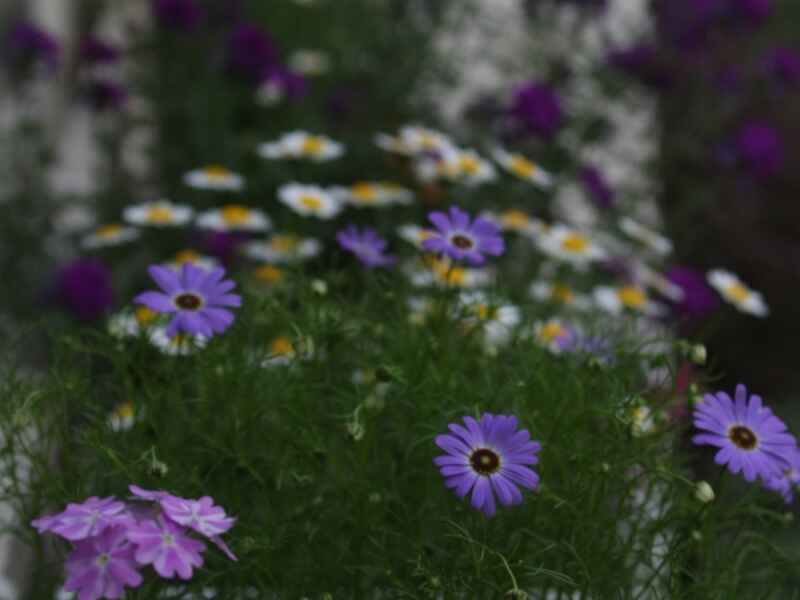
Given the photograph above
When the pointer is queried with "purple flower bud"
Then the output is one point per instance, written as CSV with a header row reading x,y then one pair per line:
x,y
25,44
106,95
699,299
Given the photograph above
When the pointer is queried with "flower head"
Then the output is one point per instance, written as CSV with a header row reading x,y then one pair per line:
x,y
284,248
251,52
488,457
698,298
84,287
234,217
569,245
161,213
537,108
750,438
165,545
301,145
789,481
95,51
309,200
200,515
196,295
555,335
366,245
733,290
559,293
522,167
413,140
369,194
112,234
87,519
101,567
461,239
25,44
615,300
214,177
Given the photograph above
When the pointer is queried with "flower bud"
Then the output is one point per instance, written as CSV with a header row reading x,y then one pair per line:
x,y
704,492
698,354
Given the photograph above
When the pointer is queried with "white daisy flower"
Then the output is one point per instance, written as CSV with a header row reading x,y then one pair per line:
x,y
113,234
123,417
181,344
553,291
733,290
497,321
653,240
282,351
517,221
442,273
234,217
555,335
570,245
194,257
372,193
414,234
268,274
159,214
309,200
214,177
642,421
522,167
283,249
658,282
412,140
309,62
300,144
130,323
75,218
466,167
615,300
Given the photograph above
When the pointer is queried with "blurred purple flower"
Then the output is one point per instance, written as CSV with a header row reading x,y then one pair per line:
x,y
252,54
598,188
750,12
95,51
367,246
182,15
643,62
25,44
784,64
84,288
102,566
106,95
293,85
537,108
224,244
699,299
760,149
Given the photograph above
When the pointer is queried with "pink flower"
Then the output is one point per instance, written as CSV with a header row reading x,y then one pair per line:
x,y
166,546
103,566
81,521
200,515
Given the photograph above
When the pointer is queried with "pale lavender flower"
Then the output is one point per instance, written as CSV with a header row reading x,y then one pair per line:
x,y
101,567
166,546
459,238
85,520
201,515
197,296
368,246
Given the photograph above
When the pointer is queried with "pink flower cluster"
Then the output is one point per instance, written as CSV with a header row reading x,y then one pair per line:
x,y
114,540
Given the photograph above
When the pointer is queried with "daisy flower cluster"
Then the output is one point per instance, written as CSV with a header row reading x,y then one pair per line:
x,y
115,541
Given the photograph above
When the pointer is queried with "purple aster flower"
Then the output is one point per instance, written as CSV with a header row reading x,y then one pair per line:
x,y
538,109
84,288
252,54
598,188
96,51
460,239
750,437
760,149
182,15
368,246
106,95
488,457
789,482
699,299
166,546
784,63
197,296
81,521
26,43
200,515
101,567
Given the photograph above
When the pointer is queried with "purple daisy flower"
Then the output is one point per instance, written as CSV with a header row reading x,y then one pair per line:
x,y
368,246
166,546
196,295
488,457
460,239
789,482
750,437
101,567
81,521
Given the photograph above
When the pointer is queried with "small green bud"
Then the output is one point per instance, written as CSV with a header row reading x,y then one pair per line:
x,y
704,492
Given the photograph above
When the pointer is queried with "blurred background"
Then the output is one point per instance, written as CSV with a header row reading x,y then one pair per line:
x,y
684,112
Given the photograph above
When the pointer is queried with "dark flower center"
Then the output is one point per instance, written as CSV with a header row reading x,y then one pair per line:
x,y
485,461
743,437
187,301
462,242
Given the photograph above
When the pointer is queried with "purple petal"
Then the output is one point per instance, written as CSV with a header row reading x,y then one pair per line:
x,y
156,301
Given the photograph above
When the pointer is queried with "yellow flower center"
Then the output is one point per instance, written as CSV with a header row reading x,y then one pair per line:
x,y
269,274
738,292
281,346
515,219
160,214
235,214
125,410
283,243
311,202
145,316
109,231
551,331
574,242
522,166
216,172
486,312
562,293
448,274
632,296
428,141
469,164
187,256
364,191
313,145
